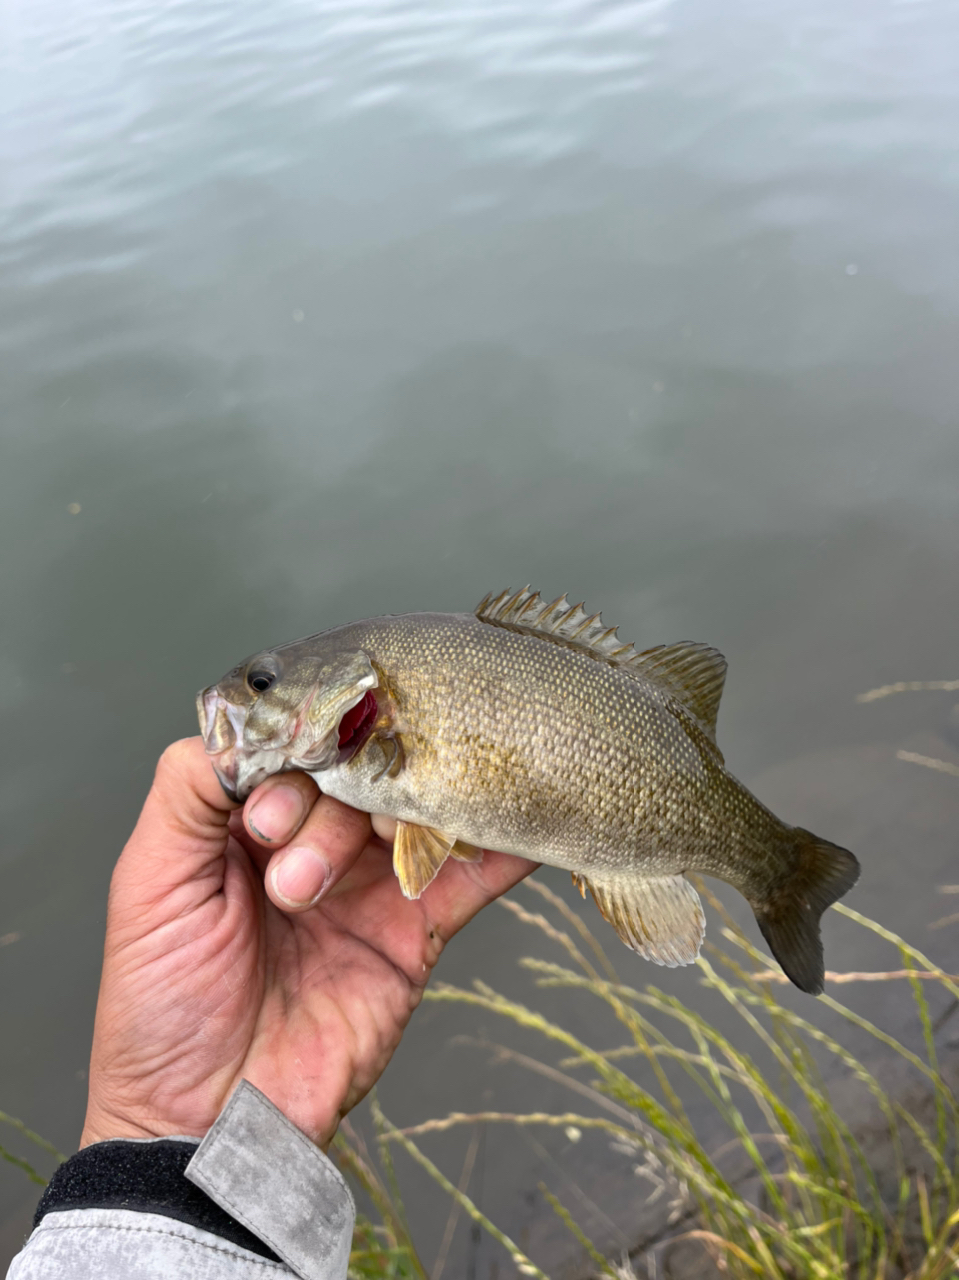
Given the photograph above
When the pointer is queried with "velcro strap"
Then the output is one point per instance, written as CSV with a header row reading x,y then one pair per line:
x,y
145,1177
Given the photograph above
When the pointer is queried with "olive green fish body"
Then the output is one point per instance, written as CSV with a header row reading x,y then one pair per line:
x,y
531,730
534,749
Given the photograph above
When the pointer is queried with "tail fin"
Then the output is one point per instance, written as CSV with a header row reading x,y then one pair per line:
x,y
789,919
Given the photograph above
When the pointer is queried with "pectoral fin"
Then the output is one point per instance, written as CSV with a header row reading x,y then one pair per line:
x,y
659,917
464,852
418,854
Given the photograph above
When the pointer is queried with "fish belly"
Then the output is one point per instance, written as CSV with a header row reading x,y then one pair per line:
x,y
564,812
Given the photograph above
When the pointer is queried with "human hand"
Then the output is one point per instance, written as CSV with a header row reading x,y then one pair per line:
x,y
233,953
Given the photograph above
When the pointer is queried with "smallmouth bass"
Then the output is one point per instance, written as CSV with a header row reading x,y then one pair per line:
x,y
531,729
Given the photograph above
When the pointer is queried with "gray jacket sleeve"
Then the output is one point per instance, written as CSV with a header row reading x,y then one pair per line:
x,y
265,1176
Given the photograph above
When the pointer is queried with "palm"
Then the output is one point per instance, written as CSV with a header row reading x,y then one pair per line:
x,y
332,990
207,982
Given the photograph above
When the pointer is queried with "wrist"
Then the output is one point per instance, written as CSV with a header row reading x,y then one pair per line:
x,y
102,1126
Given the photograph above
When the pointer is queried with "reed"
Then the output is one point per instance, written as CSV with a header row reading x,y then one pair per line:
x,y
818,1207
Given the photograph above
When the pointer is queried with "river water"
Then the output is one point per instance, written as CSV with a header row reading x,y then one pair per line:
x,y
314,311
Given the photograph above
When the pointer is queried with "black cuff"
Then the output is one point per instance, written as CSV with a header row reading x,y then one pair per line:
x,y
145,1177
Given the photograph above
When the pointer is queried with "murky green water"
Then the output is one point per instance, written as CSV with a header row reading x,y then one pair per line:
x,y
312,311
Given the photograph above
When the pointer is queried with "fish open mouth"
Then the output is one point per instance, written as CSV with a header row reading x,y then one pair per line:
x,y
219,738
357,725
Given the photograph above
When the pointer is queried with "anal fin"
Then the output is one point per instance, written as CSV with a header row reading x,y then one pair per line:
x,y
418,854
660,917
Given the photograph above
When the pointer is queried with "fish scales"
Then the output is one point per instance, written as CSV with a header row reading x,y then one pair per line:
x,y
514,742
532,731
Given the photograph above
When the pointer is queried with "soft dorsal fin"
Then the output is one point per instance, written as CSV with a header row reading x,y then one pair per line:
x,y
693,673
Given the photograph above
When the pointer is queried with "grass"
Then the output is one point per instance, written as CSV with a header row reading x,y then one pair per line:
x,y
19,1162
788,1191
814,1205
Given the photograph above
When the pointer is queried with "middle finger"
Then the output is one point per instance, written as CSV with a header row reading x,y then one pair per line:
x,y
324,849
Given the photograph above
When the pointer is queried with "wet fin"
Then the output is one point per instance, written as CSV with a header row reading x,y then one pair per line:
x,y
464,852
789,918
693,673
660,917
561,622
418,854
391,744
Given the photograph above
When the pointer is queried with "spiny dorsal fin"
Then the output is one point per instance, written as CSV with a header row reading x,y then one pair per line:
x,y
693,673
560,621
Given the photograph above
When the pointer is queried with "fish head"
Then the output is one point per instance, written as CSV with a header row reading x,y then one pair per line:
x,y
286,709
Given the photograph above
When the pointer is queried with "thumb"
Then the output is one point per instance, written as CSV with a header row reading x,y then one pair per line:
x,y
180,838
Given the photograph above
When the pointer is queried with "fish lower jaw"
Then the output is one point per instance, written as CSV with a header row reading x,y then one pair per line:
x,y
228,784
239,775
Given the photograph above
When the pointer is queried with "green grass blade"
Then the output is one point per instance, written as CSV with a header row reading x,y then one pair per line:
x,y
19,1163
524,1265
566,1218
31,1136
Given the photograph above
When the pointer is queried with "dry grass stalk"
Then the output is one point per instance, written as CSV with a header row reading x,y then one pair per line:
x,y
929,762
907,686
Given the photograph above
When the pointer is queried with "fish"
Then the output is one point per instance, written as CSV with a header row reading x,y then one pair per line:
x,y
531,729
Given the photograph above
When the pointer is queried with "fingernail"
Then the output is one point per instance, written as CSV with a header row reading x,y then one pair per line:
x,y
278,814
300,877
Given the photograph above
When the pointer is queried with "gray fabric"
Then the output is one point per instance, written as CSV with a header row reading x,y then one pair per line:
x,y
115,1244
259,1167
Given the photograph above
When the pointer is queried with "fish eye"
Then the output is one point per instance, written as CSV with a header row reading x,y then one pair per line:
x,y
260,681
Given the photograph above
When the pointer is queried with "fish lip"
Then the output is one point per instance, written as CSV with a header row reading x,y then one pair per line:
x,y
221,721
239,777
211,705
227,769
239,767
206,704
227,785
